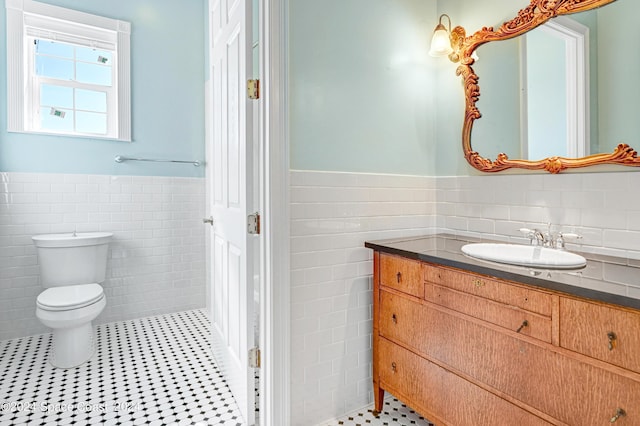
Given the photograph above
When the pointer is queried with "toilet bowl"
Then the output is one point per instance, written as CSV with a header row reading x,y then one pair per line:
x,y
71,268
68,311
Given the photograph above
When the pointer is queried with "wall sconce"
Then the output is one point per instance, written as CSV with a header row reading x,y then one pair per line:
x,y
447,42
440,43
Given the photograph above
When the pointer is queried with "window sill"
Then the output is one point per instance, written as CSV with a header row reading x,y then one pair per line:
x,y
68,135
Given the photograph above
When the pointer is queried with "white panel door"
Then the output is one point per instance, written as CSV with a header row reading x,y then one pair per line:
x,y
230,197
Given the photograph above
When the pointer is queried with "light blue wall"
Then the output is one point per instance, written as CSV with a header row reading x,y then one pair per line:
x,y
499,128
361,94
546,86
618,65
364,94
167,83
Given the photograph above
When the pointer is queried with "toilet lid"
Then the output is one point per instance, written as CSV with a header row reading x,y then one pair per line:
x,y
69,297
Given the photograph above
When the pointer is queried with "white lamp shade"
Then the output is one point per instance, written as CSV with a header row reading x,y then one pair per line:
x,y
440,43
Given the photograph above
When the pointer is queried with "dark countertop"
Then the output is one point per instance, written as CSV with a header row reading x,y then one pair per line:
x,y
604,279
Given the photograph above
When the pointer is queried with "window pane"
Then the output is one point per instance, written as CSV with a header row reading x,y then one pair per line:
x,y
53,48
91,122
56,96
54,68
93,74
87,54
90,100
50,121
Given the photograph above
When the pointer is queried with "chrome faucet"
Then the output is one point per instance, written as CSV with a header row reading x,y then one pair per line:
x,y
538,238
548,239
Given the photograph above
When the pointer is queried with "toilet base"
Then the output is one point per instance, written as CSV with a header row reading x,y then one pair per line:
x,y
72,346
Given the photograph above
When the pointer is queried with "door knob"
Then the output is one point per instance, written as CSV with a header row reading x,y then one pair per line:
x,y
208,220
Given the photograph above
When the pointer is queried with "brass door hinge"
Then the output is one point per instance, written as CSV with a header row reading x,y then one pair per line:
x,y
254,357
253,89
253,223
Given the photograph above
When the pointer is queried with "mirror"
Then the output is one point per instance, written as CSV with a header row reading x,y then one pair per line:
x,y
556,85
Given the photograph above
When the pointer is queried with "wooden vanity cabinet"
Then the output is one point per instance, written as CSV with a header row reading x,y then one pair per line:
x,y
475,350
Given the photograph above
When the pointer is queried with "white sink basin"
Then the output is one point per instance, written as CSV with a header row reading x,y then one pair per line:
x,y
532,256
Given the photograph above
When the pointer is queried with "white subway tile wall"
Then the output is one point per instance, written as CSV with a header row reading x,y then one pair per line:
x,y
156,259
601,207
332,215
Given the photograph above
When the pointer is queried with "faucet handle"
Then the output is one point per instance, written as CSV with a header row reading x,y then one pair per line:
x,y
560,237
534,235
571,235
527,232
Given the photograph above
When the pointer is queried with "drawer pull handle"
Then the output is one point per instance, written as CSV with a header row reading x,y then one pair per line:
x,y
619,413
478,283
524,324
394,367
394,318
612,338
398,277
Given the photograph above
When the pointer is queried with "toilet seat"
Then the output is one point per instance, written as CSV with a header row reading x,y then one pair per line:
x,y
69,297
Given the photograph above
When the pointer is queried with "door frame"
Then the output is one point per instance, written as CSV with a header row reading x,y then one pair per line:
x,y
275,400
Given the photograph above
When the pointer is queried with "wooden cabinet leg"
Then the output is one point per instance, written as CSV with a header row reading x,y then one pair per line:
x,y
378,396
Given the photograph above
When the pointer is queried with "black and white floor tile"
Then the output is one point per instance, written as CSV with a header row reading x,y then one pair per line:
x,y
394,413
149,371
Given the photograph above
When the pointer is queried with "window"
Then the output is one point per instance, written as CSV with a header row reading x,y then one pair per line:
x,y
68,72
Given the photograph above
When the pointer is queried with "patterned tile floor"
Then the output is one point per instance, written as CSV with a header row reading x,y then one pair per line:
x,y
150,371
394,413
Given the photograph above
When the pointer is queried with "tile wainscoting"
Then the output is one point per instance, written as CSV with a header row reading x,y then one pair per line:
x,y
156,259
332,214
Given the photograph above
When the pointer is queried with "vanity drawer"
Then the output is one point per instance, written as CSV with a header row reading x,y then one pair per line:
x,y
490,288
602,332
509,317
566,389
401,274
413,378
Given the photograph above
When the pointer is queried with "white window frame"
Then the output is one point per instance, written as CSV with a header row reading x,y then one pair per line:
x,y
26,19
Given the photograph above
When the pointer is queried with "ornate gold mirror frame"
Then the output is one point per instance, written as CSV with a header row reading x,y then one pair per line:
x,y
537,13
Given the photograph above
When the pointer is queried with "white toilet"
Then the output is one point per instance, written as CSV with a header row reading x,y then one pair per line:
x,y
71,268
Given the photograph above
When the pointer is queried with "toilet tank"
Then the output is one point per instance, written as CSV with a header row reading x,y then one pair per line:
x,y
67,259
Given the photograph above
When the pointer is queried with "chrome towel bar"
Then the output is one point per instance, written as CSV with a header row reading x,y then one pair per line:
x,y
120,159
